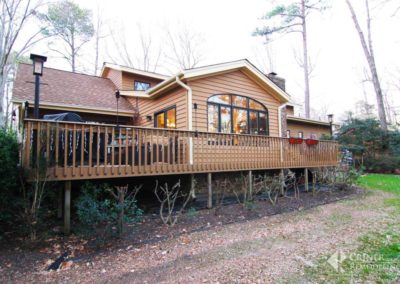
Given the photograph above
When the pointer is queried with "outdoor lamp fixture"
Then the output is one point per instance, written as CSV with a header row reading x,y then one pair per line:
x,y
149,117
26,107
117,96
330,119
38,61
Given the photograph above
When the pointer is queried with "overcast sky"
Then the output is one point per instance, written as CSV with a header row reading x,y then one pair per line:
x,y
226,27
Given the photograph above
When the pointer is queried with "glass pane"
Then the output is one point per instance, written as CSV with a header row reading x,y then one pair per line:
x,y
239,101
253,122
221,99
240,121
141,86
255,105
263,123
160,120
171,118
212,118
226,123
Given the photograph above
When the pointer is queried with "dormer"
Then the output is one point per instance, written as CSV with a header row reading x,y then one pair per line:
x,y
131,81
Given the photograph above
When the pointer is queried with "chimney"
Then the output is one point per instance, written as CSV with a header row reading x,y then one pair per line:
x,y
280,82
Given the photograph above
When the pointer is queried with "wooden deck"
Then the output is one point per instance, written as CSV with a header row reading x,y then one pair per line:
x,y
74,151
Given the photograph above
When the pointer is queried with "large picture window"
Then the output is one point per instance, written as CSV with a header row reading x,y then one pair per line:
x,y
165,118
237,114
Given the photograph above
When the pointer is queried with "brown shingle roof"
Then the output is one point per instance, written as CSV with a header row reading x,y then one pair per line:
x,y
68,89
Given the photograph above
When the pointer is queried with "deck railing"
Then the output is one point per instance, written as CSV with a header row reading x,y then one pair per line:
x,y
91,151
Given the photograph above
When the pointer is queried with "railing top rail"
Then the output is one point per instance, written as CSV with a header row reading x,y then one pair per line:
x,y
161,129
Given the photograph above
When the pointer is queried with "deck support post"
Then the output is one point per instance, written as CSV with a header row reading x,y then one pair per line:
x,y
60,203
209,186
306,186
67,207
282,179
192,186
250,185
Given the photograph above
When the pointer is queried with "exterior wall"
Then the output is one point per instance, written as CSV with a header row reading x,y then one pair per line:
x,y
128,80
115,76
88,117
148,107
234,82
289,110
307,129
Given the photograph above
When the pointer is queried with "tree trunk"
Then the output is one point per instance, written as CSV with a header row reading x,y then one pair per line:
x,y
305,61
121,201
369,55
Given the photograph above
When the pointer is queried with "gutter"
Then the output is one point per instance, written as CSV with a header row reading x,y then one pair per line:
x,y
190,115
189,102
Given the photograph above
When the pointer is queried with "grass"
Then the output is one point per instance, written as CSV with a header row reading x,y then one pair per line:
x,y
377,258
388,183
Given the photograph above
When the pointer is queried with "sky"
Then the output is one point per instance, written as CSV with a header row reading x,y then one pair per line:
x,y
226,26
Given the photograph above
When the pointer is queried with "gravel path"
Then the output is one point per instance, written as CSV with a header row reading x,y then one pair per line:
x,y
269,249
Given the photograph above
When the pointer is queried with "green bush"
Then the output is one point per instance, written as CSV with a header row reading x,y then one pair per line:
x,y
372,148
98,211
9,197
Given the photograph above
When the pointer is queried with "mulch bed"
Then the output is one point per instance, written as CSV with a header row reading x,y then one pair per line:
x,y
19,255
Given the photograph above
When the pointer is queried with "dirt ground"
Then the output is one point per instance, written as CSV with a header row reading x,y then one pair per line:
x,y
232,245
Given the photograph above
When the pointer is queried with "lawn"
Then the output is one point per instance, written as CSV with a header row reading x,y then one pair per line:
x,y
388,183
377,258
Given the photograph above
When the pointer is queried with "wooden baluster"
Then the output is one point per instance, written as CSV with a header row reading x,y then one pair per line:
x,y
105,169
119,150
126,149
90,149
113,150
162,150
28,141
147,150
57,149
74,150
65,148
133,143
98,152
139,150
82,149
173,144
48,134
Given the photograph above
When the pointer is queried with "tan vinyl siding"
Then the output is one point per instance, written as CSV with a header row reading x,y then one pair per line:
x,y
128,80
295,127
234,82
176,97
115,76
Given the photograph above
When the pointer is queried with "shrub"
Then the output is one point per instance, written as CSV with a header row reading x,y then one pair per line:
x,y
9,198
98,211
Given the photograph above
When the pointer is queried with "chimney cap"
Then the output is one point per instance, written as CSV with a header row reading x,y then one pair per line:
x,y
272,73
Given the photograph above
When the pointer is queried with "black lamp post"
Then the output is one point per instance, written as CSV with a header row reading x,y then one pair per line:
x,y
330,119
38,61
117,96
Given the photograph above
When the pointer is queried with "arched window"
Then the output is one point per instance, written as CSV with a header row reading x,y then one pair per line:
x,y
229,113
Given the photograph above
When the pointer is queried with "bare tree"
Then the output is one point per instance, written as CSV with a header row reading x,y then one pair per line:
x,y
366,43
99,35
145,55
71,24
184,48
293,19
15,15
167,196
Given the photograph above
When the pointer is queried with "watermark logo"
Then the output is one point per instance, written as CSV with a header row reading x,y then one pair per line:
x,y
336,260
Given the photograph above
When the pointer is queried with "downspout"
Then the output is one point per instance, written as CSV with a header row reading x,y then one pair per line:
x,y
190,115
280,127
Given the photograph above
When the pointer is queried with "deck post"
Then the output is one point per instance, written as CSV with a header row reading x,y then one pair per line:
x,y
306,187
67,208
250,185
60,203
209,185
192,186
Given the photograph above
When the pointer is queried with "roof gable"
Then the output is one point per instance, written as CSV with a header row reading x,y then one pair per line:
x,y
68,90
211,70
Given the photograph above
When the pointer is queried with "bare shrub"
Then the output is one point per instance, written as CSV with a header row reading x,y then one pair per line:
x,y
123,199
167,196
222,186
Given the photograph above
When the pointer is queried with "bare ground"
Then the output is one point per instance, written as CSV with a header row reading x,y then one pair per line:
x,y
260,250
